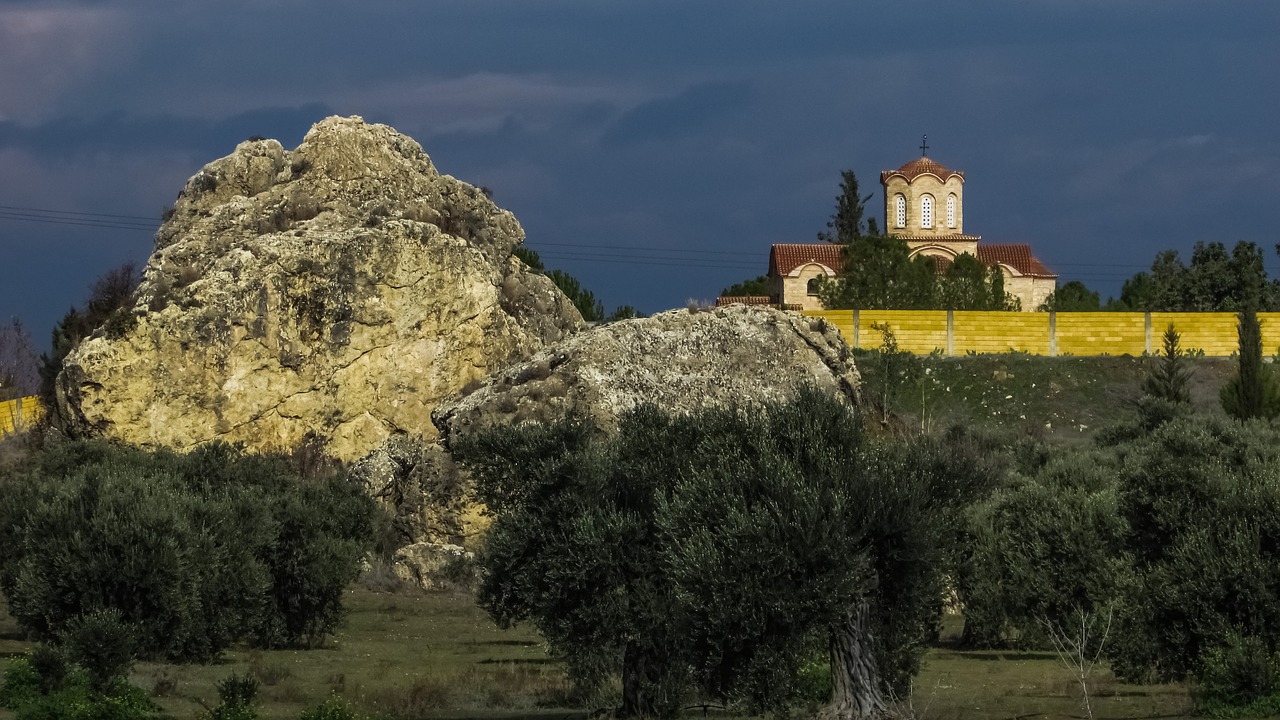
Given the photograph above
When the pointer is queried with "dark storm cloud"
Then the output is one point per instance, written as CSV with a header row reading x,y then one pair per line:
x,y
695,111
118,133
1098,131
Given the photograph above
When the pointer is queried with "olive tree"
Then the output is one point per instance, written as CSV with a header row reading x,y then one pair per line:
x,y
717,548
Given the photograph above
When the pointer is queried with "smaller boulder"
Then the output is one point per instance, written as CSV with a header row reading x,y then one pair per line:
x,y
682,360
435,566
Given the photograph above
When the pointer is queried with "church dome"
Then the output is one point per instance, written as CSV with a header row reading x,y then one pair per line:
x,y
921,166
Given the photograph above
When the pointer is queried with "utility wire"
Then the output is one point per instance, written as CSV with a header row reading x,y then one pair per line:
x,y
77,222
73,212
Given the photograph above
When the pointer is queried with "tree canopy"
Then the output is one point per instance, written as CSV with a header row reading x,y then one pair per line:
x,y
755,286
722,560
1215,281
1072,296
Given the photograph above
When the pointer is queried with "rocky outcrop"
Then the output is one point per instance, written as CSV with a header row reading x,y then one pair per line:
x,y
679,360
435,566
341,290
421,489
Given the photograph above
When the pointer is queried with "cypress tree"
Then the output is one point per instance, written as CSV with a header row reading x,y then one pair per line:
x,y
1253,392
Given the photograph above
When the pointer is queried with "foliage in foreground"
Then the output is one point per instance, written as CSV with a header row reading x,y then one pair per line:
x,y
45,686
755,537
1174,522
193,552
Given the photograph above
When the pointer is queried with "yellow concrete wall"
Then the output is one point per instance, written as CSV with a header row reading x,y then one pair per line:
x,y
917,331
999,332
19,414
1097,333
1214,333
1101,333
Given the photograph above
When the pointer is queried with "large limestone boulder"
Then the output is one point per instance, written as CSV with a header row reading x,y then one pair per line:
x,y
341,289
681,360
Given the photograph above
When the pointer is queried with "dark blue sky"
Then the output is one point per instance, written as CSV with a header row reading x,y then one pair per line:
x,y
656,148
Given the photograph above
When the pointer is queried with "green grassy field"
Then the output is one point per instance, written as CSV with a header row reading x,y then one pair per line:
x,y
1064,399
435,655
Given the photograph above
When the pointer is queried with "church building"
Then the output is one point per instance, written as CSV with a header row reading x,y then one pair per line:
x,y
923,205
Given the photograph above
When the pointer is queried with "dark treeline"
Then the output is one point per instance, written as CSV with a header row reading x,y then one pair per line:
x,y
1216,280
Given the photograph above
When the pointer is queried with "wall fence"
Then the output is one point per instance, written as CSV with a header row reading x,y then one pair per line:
x,y
961,332
20,414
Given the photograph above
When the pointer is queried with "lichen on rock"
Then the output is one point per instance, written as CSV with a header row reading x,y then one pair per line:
x,y
341,289
679,360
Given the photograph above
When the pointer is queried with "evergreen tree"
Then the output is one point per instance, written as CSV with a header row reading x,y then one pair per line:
x,y
849,221
1253,392
1169,377
1001,300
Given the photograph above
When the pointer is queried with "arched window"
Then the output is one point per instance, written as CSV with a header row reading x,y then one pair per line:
x,y
926,212
951,210
900,208
813,285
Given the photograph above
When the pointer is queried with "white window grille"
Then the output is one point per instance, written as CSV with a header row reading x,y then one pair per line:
x,y
951,211
901,207
926,212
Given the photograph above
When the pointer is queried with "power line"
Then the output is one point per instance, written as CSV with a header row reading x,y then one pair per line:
x,y
53,220
74,212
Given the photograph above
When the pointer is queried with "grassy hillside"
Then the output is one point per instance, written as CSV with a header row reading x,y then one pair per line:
x,y
1061,398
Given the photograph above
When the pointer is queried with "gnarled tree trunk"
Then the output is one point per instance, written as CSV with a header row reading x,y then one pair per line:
x,y
856,688
642,687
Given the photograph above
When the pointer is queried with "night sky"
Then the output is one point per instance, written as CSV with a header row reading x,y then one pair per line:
x,y
656,148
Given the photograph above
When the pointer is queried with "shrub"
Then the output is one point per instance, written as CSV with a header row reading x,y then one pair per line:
x,y
1042,551
1200,500
102,644
331,709
194,551
236,693
68,694
1238,678
22,683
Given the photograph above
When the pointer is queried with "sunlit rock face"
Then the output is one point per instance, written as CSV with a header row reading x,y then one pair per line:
x,y
679,360
339,290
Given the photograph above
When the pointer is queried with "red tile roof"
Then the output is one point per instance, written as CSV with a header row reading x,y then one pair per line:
x,y
784,258
1017,256
920,166
744,299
